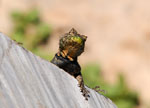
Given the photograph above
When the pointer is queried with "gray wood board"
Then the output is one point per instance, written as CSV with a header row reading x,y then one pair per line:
x,y
28,81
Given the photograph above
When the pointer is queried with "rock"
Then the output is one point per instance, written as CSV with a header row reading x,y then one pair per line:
x,y
28,81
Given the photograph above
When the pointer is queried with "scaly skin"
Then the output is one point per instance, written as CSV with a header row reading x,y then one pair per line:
x,y
71,45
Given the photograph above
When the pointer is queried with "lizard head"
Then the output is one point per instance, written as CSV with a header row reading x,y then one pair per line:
x,y
71,45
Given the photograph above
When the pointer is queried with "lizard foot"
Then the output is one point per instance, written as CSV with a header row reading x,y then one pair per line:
x,y
97,89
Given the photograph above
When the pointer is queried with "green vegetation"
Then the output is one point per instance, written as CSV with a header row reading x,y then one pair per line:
x,y
32,32
119,93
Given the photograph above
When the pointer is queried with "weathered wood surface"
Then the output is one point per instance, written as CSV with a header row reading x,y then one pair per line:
x,y
27,81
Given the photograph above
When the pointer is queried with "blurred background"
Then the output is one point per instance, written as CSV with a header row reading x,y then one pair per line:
x,y
117,53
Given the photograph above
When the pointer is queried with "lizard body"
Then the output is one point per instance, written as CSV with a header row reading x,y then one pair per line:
x,y
71,45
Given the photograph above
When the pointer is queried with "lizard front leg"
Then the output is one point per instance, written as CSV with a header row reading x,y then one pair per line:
x,y
84,91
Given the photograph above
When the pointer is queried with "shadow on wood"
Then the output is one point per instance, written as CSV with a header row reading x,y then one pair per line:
x,y
27,81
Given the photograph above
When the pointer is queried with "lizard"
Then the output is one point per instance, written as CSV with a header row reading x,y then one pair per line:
x,y
71,45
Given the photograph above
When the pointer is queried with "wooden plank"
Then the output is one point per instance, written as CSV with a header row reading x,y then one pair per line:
x,y
27,81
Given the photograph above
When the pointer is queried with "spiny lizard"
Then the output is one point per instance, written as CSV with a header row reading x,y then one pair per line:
x,y
71,45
